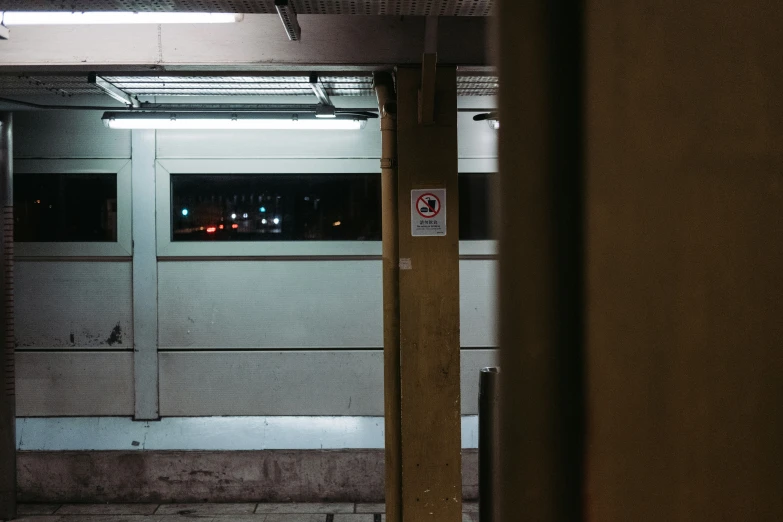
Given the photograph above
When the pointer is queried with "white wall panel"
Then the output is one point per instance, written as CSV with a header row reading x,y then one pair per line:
x,y
211,433
271,383
52,384
270,304
288,383
331,306
299,304
471,362
475,139
68,134
478,307
73,305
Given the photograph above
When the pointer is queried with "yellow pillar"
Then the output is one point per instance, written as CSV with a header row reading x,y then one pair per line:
x,y
685,261
429,301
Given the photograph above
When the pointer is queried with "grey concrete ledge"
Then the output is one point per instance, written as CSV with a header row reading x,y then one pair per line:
x,y
355,475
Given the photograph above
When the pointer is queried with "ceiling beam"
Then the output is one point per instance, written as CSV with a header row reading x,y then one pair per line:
x,y
343,42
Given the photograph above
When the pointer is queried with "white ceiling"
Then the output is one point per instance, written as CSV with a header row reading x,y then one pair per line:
x,y
251,58
69,86
360,7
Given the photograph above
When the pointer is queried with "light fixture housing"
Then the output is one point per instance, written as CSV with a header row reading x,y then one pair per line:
x,y
325,107
287,15
230,121
11,18
113,91
325,111
490,117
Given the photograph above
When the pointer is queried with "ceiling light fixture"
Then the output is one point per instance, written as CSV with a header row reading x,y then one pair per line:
x,y
230,121
325,111
113,91
11,18
287,15
490,117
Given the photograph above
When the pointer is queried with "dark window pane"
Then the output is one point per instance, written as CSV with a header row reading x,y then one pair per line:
x,y
475,217
65,207
276,207
301,207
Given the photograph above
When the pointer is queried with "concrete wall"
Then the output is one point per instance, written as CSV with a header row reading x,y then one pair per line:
x,y
74,328
238,476
67,307
318,352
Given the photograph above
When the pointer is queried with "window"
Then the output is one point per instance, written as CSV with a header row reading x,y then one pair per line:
x,y
194,197
275,207
301,207
65,207
475,216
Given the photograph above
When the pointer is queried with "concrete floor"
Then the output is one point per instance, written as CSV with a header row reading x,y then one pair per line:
x,y
343,512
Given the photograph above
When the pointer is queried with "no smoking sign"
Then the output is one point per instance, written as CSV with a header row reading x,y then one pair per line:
x,y
428,212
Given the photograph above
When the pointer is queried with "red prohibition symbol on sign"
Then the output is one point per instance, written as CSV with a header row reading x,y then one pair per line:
x,y
428,205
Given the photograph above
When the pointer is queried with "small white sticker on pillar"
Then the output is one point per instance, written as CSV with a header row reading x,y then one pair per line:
x,y
405,263
428,212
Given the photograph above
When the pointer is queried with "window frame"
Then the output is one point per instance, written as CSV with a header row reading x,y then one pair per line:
x,y
120,248
167,248
478,247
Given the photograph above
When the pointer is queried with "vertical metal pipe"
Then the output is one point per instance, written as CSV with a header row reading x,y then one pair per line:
x,y
7,386
541,259
387,105
489,444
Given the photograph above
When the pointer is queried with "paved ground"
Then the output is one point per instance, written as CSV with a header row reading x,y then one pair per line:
x,y
345,512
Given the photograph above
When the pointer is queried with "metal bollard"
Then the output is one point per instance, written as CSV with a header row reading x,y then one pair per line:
x,y
489,444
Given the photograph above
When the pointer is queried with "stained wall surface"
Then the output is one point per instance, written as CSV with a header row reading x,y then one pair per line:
x,y
685,249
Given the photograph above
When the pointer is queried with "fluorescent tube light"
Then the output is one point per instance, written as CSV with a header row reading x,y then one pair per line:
x,y
10,18
230,121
